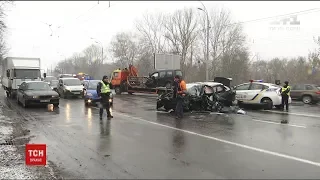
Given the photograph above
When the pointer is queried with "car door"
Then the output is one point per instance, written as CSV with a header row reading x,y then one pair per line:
x,y
254,91
242,91
162,79
155,78
21,89
297,91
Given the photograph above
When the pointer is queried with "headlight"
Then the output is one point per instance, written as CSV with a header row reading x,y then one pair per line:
x,y
89,94
110,100
35,97
67,88
55,96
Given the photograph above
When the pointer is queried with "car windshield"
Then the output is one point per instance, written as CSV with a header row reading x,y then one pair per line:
x,y
93,84
50,78
72,82
26,73
39,86
54,82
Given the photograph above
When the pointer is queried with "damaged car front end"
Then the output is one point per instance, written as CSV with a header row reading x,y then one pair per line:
x,y
201,96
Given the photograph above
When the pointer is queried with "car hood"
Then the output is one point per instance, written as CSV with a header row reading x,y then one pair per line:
x,y
75,88
41,93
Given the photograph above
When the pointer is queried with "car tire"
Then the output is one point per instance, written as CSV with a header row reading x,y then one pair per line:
x,y
306,99
117,90
268,103
25,104
278,106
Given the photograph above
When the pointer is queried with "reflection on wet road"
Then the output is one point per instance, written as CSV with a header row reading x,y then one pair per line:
x,y
140,142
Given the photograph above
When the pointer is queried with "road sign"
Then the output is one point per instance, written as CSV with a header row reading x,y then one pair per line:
x,y
36,154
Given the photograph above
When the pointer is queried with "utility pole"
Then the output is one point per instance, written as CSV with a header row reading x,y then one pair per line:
x,y
208,28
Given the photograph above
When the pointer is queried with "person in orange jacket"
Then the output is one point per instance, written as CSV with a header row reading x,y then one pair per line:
x,y
180,89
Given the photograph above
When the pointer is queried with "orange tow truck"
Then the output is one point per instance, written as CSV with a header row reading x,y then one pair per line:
x,y
127,80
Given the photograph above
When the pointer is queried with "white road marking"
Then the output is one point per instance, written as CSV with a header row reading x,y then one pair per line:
x,y
270,122
227,142
296,114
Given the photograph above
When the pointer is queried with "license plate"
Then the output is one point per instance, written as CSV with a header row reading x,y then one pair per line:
x,y
45,100
76,92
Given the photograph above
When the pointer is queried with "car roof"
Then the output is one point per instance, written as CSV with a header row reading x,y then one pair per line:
x,y
266,84
68,78
34,81
210,83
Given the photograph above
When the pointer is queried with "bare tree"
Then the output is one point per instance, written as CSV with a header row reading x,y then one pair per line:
x,y
124,49
181,31
151,29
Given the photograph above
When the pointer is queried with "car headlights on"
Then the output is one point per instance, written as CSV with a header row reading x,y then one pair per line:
x,y
110,100
35,97
68,89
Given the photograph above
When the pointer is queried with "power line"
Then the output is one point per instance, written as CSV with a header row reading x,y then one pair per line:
x,y
277,16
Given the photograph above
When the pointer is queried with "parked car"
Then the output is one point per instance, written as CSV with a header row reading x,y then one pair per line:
x,y
163,78
70,87
308,93
259,93
36,92
54,85
200,96
90,93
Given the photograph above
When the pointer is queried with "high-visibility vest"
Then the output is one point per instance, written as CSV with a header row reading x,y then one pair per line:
x,y
105,88
284,89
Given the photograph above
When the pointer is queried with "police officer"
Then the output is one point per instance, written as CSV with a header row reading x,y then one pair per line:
x,y
179,93
285,94
103,90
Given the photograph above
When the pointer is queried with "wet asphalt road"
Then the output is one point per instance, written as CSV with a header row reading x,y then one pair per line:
x,y
140,142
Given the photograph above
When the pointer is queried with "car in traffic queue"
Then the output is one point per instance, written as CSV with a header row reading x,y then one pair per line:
x,y
70,87
90,93
36,93
307,93
54,84
258,93
48,79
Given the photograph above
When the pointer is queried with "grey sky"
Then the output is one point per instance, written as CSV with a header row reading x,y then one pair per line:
x,y
29,34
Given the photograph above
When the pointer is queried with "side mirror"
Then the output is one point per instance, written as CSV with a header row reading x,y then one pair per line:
x,y
44,75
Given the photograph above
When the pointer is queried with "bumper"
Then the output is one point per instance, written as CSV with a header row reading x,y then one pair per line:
x,y
95,101
42,101
73,93
278,100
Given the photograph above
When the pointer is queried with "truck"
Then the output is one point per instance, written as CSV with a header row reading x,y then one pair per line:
x,y
166,66
16,70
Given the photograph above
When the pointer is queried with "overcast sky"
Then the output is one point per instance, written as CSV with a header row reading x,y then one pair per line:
x,y
29,34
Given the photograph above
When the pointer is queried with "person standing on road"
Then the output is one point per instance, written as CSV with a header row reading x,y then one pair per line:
x,y
285,94
103,90
179,93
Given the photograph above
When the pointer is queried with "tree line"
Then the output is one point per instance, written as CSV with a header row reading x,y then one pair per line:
x,y
184,32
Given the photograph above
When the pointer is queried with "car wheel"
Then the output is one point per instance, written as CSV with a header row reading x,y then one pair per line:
x,y
268,103
18,102
306,99
117,90
25,103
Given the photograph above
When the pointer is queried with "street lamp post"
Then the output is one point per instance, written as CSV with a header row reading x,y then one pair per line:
x,y
208,28
98,42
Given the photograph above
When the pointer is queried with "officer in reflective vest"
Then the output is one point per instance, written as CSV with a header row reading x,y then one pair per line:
x,y
103,90
285,94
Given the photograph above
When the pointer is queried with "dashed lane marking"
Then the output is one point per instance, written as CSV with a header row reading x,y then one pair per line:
x,y
296,114
227,142
270,122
